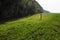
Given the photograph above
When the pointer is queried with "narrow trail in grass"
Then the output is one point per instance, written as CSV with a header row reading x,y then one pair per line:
x,y
29,21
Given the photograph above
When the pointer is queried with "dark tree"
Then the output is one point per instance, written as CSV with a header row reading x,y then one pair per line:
x,y
12,9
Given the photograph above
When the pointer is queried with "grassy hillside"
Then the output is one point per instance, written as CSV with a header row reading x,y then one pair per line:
x,y
32,28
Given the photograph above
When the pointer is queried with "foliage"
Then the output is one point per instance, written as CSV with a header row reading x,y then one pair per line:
x,y
10,9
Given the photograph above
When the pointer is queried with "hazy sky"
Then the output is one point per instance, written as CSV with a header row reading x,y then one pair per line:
x,y
50,5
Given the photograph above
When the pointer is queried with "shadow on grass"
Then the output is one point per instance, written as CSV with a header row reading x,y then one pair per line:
x,y
3,20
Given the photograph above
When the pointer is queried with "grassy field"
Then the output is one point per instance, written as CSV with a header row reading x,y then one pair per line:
x,y
32,28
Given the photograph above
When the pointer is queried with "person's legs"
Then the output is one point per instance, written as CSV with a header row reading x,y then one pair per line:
x,y
40,16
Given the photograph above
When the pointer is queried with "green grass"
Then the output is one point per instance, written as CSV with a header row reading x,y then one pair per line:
x,y
32,28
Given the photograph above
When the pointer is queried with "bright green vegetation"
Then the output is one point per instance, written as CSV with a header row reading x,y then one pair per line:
x,y
32,28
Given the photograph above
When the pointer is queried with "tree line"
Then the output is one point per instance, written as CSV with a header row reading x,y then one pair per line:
x,y
10,9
